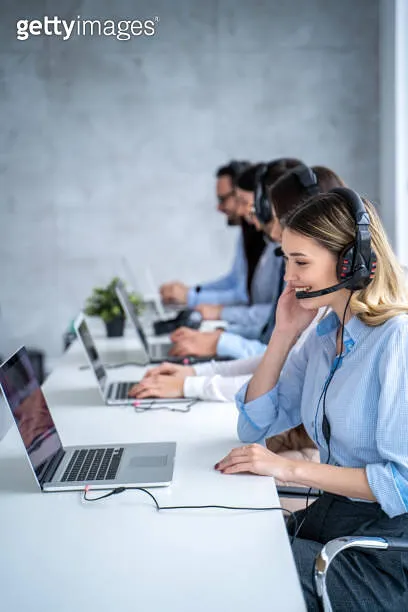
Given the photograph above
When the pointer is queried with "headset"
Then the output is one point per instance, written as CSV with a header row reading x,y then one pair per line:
x,y
237,167
357,262
263,209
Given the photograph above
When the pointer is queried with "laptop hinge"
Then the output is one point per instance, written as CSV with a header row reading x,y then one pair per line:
x,y
50,467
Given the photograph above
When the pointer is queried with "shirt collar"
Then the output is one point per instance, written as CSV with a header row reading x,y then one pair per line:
x,y
353,330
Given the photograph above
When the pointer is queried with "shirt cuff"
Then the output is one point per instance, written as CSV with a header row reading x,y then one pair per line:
x,y
385,489
260,412
194,386
204,369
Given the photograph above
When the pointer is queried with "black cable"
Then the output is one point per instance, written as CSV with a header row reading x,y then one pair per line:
x,y
325,421
112,366
155,405
119,490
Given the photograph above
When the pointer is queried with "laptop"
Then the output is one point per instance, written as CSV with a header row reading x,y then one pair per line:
x,y
154,352
73,468
114,393
152,306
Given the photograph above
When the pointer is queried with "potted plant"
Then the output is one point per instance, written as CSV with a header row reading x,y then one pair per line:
x,y
104,303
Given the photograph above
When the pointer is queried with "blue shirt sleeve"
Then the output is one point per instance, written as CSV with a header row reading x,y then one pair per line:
x,y
277,410
231,345
388,480
247,316
230,289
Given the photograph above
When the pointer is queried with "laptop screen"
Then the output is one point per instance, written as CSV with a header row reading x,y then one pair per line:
x,y
29,408
130,312
93,355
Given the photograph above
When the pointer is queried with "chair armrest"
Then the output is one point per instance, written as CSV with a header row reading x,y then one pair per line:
x,y
334,547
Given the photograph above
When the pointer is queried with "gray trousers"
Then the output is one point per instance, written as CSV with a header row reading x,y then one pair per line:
x,y
357,580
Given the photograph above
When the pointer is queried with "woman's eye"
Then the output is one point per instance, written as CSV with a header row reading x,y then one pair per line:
x,y
301,263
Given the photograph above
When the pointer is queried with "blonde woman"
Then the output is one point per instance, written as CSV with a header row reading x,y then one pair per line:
x,y
348,385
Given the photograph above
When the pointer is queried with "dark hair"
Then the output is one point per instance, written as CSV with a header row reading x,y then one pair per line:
x,y
275,169
247,179
278,168
287,192
233,169
254,246
254,243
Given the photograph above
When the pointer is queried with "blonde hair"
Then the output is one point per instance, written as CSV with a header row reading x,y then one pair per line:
x,y
328,219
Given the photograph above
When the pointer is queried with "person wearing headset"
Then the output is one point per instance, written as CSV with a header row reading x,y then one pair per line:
x,y
248,320
220,381
236,340
348,385
232,288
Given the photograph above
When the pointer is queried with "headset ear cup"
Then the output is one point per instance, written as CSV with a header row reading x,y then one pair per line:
x,y
266,210
345,263
358,273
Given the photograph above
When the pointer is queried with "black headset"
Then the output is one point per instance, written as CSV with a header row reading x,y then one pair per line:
x,y
262,206
357,262
237,167
307,179
263,209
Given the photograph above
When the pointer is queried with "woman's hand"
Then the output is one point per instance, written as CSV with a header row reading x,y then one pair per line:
x,y
158,386
170,369
291,317
256,459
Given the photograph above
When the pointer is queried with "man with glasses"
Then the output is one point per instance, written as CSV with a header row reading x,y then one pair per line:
x,y
232,288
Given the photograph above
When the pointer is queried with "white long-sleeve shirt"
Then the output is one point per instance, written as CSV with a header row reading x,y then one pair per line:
x,y
220,381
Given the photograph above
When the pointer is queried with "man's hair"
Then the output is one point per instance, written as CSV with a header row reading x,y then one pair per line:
x,y
233,170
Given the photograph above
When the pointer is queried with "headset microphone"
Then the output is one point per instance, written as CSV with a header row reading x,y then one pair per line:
x,y
301,295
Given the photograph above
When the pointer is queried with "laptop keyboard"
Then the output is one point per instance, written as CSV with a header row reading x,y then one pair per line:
x,y
93,464
159,351
122,389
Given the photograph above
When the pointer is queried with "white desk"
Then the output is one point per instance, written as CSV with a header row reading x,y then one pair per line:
x,y
61,554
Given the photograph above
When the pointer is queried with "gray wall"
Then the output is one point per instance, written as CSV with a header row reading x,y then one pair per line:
x,y
108,147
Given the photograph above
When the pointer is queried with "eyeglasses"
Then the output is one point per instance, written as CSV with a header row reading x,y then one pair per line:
x,y
223,198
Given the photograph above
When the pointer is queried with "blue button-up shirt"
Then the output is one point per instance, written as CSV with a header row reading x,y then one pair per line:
x,y
230,289
366,402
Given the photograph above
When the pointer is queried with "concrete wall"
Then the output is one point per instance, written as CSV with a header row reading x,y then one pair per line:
x,y
108,147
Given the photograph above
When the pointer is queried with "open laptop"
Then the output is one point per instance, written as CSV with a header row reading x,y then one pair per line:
x,y
72,468
152,305
114,393
154,352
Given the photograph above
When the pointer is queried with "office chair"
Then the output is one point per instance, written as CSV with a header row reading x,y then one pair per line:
x,y
336,546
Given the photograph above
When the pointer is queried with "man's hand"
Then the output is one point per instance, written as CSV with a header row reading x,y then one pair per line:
x,y
174,293
210,312
191,342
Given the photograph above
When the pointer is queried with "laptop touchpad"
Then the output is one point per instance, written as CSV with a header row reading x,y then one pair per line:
x,y
146,462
